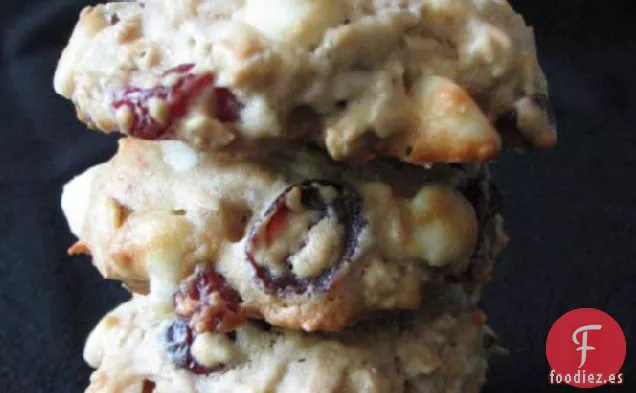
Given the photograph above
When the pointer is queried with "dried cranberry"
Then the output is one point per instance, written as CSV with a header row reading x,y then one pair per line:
x,y
180,69
207,301
148,386
345,205
227,106
177,97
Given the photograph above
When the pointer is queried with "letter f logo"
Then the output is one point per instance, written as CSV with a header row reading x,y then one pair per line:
x,y
583,344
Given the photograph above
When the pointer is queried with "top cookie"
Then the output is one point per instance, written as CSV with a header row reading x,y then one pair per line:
x,y
422,81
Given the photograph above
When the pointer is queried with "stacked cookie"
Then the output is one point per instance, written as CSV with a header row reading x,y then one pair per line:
x,y
302,202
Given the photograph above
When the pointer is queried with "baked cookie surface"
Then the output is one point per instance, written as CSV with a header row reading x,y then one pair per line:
x,y
421,81
443,348
306,242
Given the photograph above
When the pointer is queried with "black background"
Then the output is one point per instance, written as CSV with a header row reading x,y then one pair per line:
x,y
571,212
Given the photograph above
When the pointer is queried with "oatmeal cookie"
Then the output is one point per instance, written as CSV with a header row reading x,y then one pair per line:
x,y
443,348
420,81
307,242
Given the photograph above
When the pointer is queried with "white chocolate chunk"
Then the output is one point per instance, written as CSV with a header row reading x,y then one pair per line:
x,y
200,128
303,22
212,350
179,155
75,199
259,118
450,123
159,246
444,228
489,51
444,106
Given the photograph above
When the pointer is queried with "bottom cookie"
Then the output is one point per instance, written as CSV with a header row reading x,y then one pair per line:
x,y
442,348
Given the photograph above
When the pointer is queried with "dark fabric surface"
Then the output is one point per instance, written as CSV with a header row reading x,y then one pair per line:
x,y
571,212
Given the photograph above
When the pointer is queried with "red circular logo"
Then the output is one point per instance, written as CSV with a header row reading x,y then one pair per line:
x,y
585,349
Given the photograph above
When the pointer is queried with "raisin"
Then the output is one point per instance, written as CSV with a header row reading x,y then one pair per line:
x,y
178,343
345,205
179,339
488,202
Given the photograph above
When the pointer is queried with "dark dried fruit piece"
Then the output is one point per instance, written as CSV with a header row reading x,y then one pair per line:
x,y
488,202
180,69
283,233
179,339
529,121
207,301
148,386
178,343
113,18
485,197
204,302
227,106
495,199
177,98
